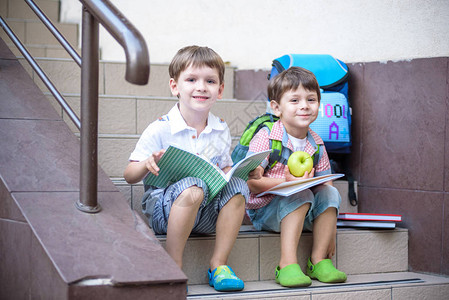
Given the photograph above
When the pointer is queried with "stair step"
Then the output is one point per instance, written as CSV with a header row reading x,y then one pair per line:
x,y
395,286
20,10
33,32
42,51
65,74
256,254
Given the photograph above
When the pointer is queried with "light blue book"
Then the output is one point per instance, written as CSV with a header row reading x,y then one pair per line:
x,y
177,164
366,224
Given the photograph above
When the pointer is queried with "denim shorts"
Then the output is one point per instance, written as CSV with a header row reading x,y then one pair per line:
x,y
156,203
320,198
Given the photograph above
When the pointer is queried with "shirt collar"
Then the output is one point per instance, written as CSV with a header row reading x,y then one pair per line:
x,y
279,133
178,124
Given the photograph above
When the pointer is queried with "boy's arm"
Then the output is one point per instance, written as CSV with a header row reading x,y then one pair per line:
x,y
259,183
257,186
137,170
323,167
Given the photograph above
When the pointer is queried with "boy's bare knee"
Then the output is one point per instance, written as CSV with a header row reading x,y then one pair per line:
x,y
237,201
305,207
192,196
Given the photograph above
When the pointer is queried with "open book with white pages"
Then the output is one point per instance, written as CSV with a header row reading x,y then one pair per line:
x,y
291,187
177,164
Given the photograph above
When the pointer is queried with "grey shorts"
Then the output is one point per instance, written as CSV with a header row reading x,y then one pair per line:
x,y
156,204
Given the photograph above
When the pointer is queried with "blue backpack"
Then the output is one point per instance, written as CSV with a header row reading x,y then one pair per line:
x,y
333,124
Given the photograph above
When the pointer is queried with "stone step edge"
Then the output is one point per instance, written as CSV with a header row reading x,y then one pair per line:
x,y
37,20
9,44
355,283
255,255
248,231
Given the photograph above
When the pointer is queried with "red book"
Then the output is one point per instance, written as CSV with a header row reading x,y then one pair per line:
x,y
369,217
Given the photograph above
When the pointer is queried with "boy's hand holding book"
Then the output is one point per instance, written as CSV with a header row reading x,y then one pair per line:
x,y
256,174
151,162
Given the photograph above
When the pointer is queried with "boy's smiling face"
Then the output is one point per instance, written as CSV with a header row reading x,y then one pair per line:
x,y
197,88
297,110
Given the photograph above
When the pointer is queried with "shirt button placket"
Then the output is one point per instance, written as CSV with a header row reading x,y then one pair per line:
x,y
194,142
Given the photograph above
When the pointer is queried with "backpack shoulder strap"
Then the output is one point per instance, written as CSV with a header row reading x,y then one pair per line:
x,y
254,126
317,155
275,155
275,146
276,151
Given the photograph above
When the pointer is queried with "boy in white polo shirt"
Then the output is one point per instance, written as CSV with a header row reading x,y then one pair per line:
x,y
196,78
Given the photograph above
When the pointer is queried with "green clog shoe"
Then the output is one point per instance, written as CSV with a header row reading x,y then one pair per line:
x,y
292,276
325,271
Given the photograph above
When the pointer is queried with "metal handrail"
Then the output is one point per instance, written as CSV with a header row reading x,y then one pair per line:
x,y
136,51
95,12
137,72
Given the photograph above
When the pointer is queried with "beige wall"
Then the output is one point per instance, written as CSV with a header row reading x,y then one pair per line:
x,y
250,33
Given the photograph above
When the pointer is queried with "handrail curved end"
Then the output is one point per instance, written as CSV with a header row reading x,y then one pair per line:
x,y
137,63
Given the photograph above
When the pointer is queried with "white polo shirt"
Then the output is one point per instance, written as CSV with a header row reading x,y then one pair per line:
x,y
214,142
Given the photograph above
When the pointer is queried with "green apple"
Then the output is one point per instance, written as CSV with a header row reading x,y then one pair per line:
x,y
299,162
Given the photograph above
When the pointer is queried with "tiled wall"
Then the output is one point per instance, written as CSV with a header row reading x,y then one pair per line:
x,y
400,153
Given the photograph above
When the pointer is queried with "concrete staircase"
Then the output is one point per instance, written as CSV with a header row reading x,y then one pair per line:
x,y
375,260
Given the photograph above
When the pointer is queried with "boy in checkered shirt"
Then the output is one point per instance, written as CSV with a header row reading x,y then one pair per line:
x,y
295,97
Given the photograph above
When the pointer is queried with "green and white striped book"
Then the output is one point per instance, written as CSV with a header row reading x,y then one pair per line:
x,y
177,164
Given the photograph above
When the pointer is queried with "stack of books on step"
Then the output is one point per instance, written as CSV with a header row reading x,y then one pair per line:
x,y
367,220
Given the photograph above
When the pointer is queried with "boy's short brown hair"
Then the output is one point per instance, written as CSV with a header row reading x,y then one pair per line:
x,y
197,57
291,79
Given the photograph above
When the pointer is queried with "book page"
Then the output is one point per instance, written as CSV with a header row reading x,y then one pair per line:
x,y
177,164
246,165
291,187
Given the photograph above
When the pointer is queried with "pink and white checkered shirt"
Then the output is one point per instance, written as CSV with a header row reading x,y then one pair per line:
x,y
260,142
